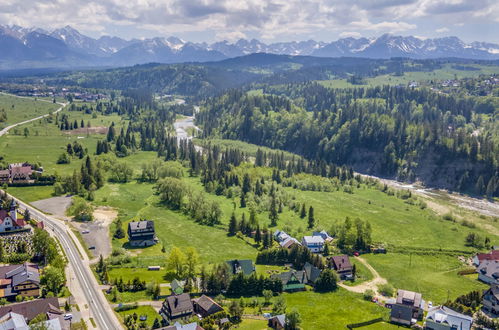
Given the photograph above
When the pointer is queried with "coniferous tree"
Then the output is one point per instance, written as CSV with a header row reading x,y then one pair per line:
x,y
273,215
232,224
303,212
311,218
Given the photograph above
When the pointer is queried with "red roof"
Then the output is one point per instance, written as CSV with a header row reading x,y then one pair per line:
x,y
492,255
40,225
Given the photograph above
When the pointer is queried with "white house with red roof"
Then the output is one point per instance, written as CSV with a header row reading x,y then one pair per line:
x,y
9,221
481,257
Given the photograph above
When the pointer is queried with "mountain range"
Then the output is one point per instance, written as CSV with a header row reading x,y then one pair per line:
x,y
67,47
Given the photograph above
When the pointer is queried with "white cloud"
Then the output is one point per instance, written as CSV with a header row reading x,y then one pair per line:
x,y
352,34
442,30
268,19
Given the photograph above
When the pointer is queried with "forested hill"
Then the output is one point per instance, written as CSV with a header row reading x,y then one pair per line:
x,y
446,141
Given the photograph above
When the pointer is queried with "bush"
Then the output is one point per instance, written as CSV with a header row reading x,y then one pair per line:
x,y
368,295
64,158
81,210
128,307
386,290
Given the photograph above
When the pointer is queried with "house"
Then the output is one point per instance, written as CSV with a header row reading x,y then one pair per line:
x,y
177,286
4,176
324,234
31,309
178,326
20,172
311,272
23,280
490,299
205,306
9,221
293,280
444,318
480,257
402,314
341,264
285,240
14,321
488,272
177,307
238,266
277,322
141,233
313,243
412,299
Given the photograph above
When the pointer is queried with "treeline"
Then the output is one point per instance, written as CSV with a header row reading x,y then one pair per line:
x,y
298,255
389,131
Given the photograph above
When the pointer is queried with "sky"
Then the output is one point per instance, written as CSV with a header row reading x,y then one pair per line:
x,y
267,20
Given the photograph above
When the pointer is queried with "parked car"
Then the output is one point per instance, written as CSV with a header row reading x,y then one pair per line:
x,y
143,317
68,316
91,247
85,232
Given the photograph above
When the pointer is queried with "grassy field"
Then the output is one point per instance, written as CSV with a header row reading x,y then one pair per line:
x,y
332,310
434,276
446,72
251,324
142,310
21,109
142,273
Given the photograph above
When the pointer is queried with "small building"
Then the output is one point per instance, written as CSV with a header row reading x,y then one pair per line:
x,y
177,307
314,243
402,314
412,299
490,299
178,326
342,265
142,233
22,280
277,322
20,173
488,272
311,272
289,242
481,257
9,221
31,309
177,286
324,234
205,306
4,176
238,266
444,318
293,280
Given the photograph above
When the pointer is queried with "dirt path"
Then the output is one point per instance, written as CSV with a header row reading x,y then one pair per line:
x,y
370,285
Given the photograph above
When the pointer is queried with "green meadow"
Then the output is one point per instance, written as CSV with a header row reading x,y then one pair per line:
x,y
20,109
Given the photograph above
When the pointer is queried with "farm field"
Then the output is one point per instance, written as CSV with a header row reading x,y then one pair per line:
x,y
435,276
21,109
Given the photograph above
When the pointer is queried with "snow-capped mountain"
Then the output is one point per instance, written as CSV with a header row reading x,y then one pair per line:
x,y
67,47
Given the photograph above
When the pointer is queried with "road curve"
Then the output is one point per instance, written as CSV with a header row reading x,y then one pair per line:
x,y
101,311
8,128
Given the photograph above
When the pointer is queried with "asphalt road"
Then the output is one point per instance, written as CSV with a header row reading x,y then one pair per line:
x,y
8,128
101,311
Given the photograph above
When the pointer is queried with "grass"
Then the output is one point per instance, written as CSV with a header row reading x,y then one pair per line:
x,y
142,273
172,228
130,297
362,273
332,310
252,324
434,276
21,109
31,194
142,310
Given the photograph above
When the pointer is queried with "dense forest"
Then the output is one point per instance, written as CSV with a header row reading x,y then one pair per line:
x,y
448,141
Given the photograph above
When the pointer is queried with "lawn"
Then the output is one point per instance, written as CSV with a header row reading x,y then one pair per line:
x,y
434,276
136,201
21,109
362,273
251,324
142,310
142,273
332,310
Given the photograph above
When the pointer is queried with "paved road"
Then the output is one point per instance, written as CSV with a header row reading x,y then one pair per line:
x,y
8,128
101,311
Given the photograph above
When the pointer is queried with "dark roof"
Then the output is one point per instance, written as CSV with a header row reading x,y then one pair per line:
x,y
208,305
11,270
23,273
30,309
494,291
341,263
280,319
312,272
141,225
489,268
292,276
245,266
402,312
179,303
